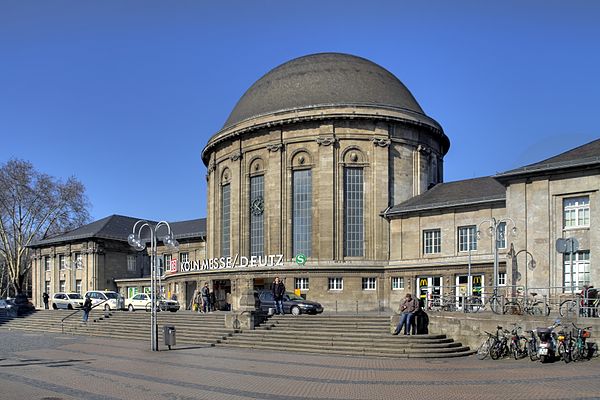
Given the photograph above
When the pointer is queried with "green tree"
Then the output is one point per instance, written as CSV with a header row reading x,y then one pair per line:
x,y
34,206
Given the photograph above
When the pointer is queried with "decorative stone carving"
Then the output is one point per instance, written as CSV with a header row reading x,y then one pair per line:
x,y
301,160
236,156
423,149
381,142
326,141
353,157
211,167
274,147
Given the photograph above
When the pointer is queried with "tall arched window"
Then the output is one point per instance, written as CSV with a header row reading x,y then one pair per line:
x,y
225,220
302,212
353,212
257,207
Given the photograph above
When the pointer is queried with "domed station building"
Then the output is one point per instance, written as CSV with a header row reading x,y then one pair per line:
x,y
299,177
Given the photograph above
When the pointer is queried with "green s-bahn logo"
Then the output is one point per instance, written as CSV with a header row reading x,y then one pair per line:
x,y
300,259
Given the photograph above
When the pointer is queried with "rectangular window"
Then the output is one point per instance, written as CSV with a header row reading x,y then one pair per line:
x,y
62,262
168,262
47,287
225,220
397,282
432,241
257,204
336,284
302,212
131,262
580,274
467,238
301,283
501,235
62,286
369,283
501,278
184,257
353,212
78,260
576,212
78,286
47,264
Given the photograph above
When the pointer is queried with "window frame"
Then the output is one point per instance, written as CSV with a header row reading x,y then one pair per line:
x,y
302,283
369,283
470,237
400,283
335,283
432,245
577,210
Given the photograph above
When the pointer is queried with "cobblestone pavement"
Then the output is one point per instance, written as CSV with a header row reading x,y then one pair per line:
x,y
51,367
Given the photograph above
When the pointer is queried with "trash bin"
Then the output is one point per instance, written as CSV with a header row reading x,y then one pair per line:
x,y
421,323
169,335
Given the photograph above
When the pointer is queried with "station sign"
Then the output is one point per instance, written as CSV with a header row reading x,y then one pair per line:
x,y
235,262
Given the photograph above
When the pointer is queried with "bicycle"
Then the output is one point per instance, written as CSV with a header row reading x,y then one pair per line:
x,y
500,348
532,346
476,304
518,343
531,306
484,348
565,346
581,349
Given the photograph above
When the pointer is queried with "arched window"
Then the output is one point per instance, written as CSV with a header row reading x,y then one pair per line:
x,y
353,212
302,212
257,208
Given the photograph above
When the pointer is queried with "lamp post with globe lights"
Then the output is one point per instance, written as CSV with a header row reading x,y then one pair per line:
x,y
494,231
135,240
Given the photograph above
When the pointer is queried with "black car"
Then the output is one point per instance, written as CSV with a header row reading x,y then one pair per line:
x,y
292,304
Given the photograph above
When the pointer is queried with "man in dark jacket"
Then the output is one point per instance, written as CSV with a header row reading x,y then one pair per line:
x,y
205,292
45,297
87,307
278,289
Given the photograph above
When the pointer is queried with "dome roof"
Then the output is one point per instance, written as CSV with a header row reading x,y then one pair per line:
x,y
323,79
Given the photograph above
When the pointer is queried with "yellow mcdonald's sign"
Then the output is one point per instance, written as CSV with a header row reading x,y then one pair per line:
x,y
423,282
477,279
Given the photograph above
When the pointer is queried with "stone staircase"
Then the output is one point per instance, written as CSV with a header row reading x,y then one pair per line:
x,y
191,328
361,335
347,335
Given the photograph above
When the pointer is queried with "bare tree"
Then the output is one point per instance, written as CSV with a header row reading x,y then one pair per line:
x,y
34,206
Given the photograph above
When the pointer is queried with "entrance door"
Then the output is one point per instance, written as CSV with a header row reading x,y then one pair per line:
x,y
190,288
429,289
463,284
222,291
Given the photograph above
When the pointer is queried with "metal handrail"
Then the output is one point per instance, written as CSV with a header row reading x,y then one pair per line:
x,y
62,321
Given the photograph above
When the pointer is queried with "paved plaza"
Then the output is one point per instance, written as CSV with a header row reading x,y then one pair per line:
x,y
51,367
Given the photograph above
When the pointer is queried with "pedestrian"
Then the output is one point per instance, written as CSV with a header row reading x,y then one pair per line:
x,y
87,307
278,290
407,309
212,300
45,297
205,292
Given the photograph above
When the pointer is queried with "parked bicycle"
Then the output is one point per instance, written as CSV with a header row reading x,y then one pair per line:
x,y
492,302
581,348
518,343
500,348
533,345
528,305
565,345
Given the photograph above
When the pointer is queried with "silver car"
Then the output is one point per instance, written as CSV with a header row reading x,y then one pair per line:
x,y
67,301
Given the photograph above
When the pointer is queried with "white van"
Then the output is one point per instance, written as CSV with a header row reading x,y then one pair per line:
x,y
110,300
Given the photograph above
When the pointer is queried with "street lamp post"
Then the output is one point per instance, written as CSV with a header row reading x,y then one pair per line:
x,y
528,265
135,241
494,232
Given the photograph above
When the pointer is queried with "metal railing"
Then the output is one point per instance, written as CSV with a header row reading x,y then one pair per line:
x,y
62,321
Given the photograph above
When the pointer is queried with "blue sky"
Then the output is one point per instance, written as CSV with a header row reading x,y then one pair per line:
x,y
125,94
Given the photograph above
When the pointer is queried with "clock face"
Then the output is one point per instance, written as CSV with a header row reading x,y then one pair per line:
x,y
258,206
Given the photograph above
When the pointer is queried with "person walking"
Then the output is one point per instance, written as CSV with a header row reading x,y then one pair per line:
x,y
278,290
45,298
408,307
87,307
205,292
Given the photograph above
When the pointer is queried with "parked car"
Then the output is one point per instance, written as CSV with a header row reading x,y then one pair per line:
x,y
141,301
292,303
112,300
7,307
68,301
